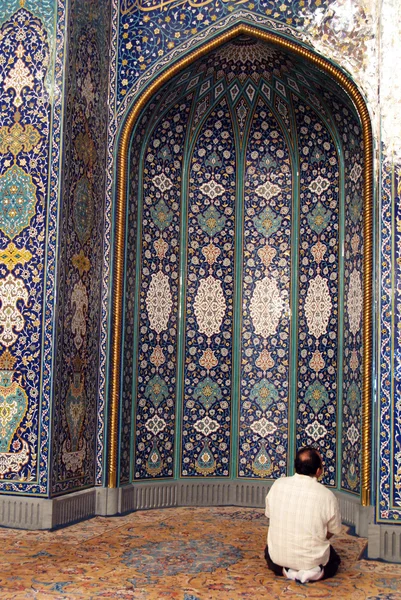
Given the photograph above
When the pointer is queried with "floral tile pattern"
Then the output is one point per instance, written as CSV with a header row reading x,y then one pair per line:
x,y
75,423
348,38
29,118
165,26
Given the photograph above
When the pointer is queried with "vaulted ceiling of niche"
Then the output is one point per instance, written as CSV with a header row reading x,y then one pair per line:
x,y
277,74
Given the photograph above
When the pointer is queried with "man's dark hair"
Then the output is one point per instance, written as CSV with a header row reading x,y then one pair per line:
x,y
307,461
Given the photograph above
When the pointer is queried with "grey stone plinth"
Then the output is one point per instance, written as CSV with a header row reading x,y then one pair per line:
x,y
384,541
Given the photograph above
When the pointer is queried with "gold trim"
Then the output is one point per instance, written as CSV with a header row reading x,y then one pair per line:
x,y
122,170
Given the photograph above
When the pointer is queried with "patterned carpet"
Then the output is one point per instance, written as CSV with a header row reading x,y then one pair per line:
x,y
180,554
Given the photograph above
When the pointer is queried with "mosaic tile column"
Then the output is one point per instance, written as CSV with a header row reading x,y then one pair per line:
x,y
353,274
265,363
25,246
206,430
318,288
158,281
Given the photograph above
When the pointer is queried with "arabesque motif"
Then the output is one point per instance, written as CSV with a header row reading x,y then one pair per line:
x,y
17,201
83,209
12,321
14,450
266,307
19,77
209,306
318,306
16,138
79,304
354,301
159,301
13,406
12,256
74,448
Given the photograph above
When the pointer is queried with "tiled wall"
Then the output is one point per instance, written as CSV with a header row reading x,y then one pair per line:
x,y
53,116
351,39
145,39
31,56
240,182
75,419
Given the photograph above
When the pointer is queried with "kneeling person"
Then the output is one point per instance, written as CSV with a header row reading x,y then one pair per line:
x,y
303,516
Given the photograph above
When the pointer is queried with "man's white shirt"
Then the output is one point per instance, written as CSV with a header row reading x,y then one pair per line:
x,y
301,512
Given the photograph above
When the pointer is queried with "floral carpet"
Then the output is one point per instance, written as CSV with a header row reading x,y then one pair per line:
x,y
177,554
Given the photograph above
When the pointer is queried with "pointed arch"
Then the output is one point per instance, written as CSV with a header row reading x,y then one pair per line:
x,y
351,89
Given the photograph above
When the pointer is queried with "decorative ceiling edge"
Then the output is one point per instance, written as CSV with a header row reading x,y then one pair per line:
x,y
232,20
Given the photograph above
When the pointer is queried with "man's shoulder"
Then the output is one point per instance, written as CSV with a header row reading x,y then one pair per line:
x,y
326,492
302,481
282,481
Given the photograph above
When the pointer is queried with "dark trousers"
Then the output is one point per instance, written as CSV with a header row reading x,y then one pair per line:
x,y
329,569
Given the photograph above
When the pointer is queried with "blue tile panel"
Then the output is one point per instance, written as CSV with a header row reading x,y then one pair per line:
x,y
351,416
265,336
388,453
76,417
396,420
158,272
29,152
208,356
318,279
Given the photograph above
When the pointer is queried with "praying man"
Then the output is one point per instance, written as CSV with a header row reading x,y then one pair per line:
x,y
303,516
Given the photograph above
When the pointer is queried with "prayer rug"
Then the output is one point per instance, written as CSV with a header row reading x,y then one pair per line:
x,y
175,554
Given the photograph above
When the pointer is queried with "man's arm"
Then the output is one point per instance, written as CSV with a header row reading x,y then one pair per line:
x,y
267,509
334,523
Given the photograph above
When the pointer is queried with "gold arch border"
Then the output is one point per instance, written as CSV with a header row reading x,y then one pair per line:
x,y
121,199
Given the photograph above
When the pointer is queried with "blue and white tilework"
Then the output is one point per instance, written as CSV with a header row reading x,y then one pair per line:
x,y
30,123
254,233
76,421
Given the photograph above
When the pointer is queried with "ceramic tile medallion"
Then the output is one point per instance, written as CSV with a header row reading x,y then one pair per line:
x,y
241,191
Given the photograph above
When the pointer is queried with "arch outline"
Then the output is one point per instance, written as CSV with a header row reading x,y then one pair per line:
x,y
294,47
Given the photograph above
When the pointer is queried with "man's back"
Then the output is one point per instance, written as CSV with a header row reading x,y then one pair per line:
x,y
301,513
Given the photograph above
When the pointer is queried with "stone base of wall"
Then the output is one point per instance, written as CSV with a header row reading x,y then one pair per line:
x,y
384,541
41,513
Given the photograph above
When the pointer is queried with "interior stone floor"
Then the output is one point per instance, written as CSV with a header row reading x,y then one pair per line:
x,y
176,553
